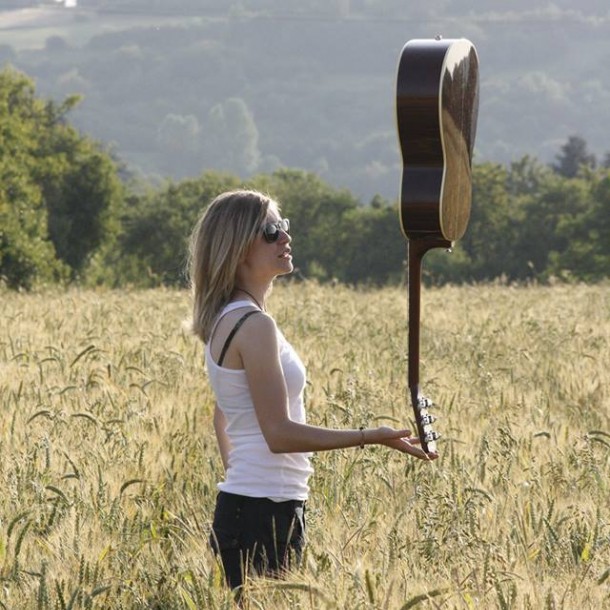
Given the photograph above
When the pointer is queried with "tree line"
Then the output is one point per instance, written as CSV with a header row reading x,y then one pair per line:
x,y
71,213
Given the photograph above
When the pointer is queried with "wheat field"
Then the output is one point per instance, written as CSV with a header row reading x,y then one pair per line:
x,y
108,460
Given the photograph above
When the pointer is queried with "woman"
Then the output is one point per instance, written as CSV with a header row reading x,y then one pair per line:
x,y
238,247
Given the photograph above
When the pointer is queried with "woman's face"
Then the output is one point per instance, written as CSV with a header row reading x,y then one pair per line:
x,y
266,260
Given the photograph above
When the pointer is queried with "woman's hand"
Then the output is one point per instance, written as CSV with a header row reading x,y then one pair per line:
x,y
401,440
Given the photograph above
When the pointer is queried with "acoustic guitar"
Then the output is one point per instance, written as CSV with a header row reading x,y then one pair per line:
x,y
437,99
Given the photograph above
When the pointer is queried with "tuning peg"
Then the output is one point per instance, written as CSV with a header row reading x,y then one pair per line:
x,y
424,403
428,420
431,436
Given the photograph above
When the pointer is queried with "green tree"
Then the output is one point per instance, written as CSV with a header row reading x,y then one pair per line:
x,y
157,225
573,156
83,195
27,256
57,185
231,138
586,236
156,228
557,203
178,134
371,247
489,242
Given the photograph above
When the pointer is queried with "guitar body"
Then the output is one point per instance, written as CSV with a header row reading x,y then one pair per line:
x,y
437,96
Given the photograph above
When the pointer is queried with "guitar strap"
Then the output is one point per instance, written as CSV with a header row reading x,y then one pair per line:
x,y
237,326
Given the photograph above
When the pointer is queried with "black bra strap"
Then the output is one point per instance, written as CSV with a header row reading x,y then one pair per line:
x,y
237,326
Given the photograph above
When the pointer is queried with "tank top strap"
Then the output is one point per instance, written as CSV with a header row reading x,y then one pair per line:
x,y
227,309
237,326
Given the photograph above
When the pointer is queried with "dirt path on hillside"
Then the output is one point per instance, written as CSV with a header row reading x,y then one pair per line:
x,y
34,17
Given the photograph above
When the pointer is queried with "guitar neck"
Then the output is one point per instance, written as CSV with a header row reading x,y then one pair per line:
x,y
417,250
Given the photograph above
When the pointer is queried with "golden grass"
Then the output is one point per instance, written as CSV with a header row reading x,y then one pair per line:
x,y
108,460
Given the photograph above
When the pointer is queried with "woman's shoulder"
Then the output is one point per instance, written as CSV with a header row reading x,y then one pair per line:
x,y
243,328
246,315
259,333
259,321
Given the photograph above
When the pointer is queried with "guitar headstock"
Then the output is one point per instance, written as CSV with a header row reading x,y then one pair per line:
x,y
424,420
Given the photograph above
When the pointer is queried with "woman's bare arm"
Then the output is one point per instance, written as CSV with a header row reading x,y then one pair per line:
x,y
259,351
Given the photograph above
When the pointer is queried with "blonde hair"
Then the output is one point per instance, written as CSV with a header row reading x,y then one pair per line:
x,y
221,238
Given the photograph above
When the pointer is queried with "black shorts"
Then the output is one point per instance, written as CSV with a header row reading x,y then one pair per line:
x,y
257,535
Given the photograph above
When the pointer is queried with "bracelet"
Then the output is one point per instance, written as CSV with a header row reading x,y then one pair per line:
x,y
361,437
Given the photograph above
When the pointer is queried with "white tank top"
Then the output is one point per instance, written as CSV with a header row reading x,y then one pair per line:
x,y
252,469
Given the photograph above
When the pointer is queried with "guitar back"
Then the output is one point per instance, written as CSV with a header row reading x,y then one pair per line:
x,y
436,109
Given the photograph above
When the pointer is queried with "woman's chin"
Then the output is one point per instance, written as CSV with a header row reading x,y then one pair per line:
x,y
288,267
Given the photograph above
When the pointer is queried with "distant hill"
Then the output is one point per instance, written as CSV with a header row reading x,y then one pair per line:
x,y
176,90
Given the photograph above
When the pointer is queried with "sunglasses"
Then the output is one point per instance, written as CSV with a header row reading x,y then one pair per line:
x,y
271,230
